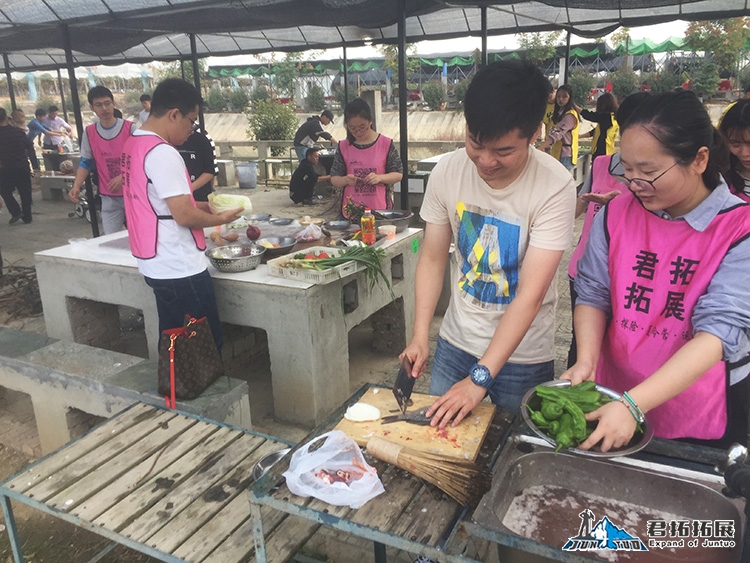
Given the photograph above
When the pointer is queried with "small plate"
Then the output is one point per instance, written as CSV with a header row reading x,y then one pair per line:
x,y
259,217
337,225
280,221
313,221
267,462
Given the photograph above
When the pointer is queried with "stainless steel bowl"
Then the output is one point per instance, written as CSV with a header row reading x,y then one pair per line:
x,y
638,442
267,462
255,217
281,221
392,217
236,257
282,245
337,225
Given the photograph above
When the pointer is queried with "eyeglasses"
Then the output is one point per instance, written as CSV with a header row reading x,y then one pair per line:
x,y
102,105
358,129
641,183
195,125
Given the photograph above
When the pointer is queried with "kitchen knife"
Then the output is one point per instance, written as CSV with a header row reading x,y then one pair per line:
x,y
413,417
404,385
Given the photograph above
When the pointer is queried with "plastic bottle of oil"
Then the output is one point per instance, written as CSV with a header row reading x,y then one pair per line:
x,y
367,222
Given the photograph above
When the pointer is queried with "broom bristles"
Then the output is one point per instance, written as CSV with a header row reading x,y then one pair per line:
x,y
462,480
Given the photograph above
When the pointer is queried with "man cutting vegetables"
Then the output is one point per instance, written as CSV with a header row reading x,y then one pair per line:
x,y
509,211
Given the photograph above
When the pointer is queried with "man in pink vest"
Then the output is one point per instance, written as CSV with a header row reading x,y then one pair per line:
x,y
165,225
101,148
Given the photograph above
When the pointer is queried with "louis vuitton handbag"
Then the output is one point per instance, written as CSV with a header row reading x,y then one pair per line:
x,y
189,361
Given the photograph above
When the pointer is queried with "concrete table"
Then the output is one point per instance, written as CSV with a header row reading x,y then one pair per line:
x,y
307,324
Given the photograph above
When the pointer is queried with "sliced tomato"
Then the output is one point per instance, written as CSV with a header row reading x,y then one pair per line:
x,y
323,255
310,256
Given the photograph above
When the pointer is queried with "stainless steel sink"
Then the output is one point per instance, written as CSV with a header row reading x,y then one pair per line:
x,y
537,496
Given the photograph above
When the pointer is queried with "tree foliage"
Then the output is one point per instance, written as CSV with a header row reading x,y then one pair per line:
x,y
390,52
724,39
216,100
316,99
433,94
238,99
172,70
705,80
271,121
624,82
287,73
620,37
582,83
539,47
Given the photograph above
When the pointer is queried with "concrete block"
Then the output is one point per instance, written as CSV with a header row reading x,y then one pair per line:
x,y
55,188
227,173
15,343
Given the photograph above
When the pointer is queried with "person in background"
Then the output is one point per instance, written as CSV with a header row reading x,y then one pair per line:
x,y
604,135
562,139
302,184
14,169
55,123
735,127
662,305
38,127
199,154
146,103
101,148
18,120
549,113
310,131
366,162
165,224
508,209
601,185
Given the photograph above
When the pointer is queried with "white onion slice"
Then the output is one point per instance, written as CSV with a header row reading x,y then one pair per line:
x,y
362,412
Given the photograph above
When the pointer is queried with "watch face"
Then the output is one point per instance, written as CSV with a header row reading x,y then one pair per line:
x,y
481,376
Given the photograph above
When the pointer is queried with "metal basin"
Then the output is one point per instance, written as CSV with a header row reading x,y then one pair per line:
x,y
276,246
537,496
236,257
267,462
392,217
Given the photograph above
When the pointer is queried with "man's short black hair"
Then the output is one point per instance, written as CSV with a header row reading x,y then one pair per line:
x,y
52,108
40,112
99,92
504,96
145,98
174,93
311,150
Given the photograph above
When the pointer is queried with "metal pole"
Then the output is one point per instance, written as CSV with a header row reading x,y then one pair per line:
x,y
79,123
62,94
402,101
483,10
9,78
346,80
197,78
567,57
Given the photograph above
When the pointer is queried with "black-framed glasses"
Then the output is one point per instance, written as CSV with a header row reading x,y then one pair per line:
x,y
194,125
641,183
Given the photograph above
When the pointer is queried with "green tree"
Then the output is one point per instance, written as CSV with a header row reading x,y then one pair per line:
x,y
724,39
621,37
460,90
666,81
624,82
216,100
260,94
271,121
539,47
238,99
433,94
172,70
286,74
705,80
744,76
390,52
316,99
582,83
340,95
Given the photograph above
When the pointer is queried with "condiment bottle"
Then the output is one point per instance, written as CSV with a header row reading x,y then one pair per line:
x,y
367,222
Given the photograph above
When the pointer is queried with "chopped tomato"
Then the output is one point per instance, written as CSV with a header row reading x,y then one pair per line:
x,y
310,256
323,255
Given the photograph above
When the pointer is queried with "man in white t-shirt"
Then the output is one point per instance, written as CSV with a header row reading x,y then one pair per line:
x,y
165,225
509,210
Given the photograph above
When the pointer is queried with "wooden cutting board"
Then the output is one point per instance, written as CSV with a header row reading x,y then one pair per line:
x,y
462,442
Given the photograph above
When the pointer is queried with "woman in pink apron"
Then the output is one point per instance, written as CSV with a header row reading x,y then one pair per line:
x,y
366,163
663,305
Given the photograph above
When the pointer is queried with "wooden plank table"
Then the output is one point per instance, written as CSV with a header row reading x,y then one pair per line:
x,y
164,483
410,515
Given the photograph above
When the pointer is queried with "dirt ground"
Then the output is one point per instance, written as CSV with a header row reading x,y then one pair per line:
x,y
50,540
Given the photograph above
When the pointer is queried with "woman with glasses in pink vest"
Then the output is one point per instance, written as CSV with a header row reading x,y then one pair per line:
x,y
366,162
663,306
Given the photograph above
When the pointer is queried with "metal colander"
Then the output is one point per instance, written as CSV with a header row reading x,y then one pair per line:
x,y
236,257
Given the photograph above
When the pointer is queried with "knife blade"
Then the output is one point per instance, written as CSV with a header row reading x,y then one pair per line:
x,y
413,417
404,385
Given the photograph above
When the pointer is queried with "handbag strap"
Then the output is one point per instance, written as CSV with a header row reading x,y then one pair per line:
x,y
170,400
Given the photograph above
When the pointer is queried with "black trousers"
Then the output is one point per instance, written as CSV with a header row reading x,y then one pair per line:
x,y
17,178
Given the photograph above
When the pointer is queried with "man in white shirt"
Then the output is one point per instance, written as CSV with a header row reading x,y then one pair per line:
x,y
509,210
56,123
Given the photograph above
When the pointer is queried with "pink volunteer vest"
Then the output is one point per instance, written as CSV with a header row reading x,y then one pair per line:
x,y
361,162
143,222
659,269
107,155
602,182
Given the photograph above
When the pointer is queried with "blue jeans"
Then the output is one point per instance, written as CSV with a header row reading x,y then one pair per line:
x,y
452,364
567,162
192,296
301,152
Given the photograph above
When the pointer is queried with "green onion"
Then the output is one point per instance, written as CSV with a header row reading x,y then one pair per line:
x,y
369,257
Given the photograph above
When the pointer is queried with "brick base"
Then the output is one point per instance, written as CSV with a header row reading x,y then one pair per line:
x,y
94,324
389,328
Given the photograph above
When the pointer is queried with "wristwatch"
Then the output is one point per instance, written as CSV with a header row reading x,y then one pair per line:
x,y
480,375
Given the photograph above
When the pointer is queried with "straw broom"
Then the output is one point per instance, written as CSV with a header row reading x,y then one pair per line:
x,y
462,480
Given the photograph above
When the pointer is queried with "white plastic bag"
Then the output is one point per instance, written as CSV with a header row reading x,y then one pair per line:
x,y
310,233
336,473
